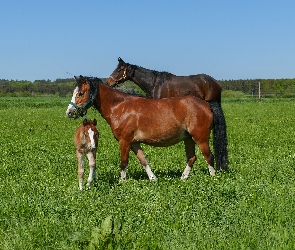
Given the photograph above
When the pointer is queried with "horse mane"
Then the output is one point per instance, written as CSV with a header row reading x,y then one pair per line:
x,y
93,81
162,76
158,76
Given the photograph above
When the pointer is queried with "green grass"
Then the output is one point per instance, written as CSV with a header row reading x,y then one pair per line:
x,y
250,207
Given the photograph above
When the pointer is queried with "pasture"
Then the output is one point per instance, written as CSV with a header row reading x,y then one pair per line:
x,y
250,207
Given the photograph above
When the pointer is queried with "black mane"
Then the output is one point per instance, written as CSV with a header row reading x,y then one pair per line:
x,y
157,76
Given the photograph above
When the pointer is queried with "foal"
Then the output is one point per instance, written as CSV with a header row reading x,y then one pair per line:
x,y
86,140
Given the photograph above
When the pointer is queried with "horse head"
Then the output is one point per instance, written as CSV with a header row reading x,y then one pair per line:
x,y
83,97
123,72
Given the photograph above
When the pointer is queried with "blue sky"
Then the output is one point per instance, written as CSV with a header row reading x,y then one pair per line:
x,y
227,39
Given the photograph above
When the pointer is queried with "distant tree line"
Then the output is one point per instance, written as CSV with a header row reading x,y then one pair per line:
x,y
59,87
64,87
268,87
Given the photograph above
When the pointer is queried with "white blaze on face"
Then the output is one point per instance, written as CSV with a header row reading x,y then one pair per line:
x,y
71,107
91,136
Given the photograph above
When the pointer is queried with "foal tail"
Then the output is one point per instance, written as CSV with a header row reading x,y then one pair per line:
x,y
219,136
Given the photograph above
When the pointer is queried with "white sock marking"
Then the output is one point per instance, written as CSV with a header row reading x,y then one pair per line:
x,y
150,173
211,170
186,172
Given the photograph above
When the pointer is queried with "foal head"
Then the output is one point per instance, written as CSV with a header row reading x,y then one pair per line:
x,y
83,97
122,73
90,133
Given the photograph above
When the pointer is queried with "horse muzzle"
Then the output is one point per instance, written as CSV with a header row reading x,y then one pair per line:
x,y
111,81
72,112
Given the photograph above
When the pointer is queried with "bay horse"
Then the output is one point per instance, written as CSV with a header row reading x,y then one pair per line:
x,y
164,85
156,122
86,141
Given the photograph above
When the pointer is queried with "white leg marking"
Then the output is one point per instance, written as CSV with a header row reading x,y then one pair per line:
x,y
80,170
92,173
150,173
123,174
90,177
81,185
186,172
211,170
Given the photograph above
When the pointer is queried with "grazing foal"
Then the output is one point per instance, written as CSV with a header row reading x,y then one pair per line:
x,y
86,140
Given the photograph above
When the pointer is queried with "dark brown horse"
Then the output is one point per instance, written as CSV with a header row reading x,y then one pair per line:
x,y
164,85
162,122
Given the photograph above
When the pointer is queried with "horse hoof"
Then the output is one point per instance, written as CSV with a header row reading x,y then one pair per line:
x,y
153,178
212,171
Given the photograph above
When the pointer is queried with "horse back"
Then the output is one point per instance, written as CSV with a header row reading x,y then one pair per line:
x,y
160,122
202,86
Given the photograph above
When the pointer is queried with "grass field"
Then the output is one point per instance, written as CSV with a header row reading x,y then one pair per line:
x,y
250,207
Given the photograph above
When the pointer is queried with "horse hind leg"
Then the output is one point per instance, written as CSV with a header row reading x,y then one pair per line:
x,y
140,155
190,157
209,157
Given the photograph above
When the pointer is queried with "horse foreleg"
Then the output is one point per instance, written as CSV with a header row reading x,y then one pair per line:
x,y
125,148
80,168
92,165
140,155
190,157
209,157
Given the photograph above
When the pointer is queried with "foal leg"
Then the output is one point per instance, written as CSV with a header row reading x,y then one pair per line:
x,y
140,155
80,168
91,156
190,157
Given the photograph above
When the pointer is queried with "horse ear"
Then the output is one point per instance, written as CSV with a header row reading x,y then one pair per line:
x,y
85,122
121,60
94,122
82,79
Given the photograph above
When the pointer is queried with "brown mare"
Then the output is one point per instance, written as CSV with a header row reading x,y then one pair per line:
x,y
161,122
86,140
164,85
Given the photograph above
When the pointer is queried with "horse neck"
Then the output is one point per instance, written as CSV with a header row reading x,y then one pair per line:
x,y
145,79
106,99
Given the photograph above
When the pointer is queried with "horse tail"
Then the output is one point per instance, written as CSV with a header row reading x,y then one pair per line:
x,y
219,136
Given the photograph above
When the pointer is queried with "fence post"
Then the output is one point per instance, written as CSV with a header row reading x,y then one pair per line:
x,y
259,96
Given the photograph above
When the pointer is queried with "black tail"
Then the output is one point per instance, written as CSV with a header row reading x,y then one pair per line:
x,y
219,138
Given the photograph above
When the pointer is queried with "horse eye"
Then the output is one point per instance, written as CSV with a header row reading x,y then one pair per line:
x,y
81,93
